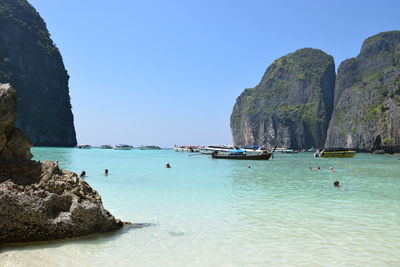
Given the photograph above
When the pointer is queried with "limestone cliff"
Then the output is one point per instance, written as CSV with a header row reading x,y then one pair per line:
x,y
31,62
291,106
367,97
39,201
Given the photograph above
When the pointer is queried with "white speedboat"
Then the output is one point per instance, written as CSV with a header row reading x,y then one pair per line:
x,y
186,148
150,148
211,148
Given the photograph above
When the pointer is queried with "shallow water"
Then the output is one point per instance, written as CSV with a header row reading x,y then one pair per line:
x,y
221,213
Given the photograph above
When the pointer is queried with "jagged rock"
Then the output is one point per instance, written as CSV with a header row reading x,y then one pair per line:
x,y
57,205
367,97
291,106
12,142
31,62
39,201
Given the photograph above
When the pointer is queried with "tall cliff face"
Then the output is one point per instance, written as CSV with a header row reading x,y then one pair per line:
x,y
30,61
367,96
291,106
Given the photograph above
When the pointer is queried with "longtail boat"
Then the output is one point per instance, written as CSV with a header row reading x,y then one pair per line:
x,y
240,154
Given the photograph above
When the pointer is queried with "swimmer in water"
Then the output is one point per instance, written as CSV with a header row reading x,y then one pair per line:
x,y
318,167
336,184
106,172
309,168
331,170
167,166
83,174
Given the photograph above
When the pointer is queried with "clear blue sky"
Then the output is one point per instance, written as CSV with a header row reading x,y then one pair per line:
x,y
169,72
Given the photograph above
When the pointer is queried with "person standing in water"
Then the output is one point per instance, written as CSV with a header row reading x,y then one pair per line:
x,y
106,172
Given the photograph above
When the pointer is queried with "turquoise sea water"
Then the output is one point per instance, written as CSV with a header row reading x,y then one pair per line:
x,y
210,212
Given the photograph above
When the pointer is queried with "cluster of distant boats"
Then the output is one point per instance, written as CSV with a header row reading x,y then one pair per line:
x,y
229,151
260,152
238,152
120,147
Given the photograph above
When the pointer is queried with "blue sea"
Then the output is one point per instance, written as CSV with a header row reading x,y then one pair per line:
x,y
210,212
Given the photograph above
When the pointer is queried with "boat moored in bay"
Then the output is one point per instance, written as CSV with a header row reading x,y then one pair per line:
x,y
254,150
123,147
241,155
84,146
289,151
335,153
186,148
211,148
150,148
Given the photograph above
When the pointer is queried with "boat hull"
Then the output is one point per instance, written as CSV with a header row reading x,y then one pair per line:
x,y
123,147
345,154
83,146
265,156
206,151
186,149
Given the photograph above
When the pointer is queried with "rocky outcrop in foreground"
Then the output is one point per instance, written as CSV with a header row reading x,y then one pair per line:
x,y
367,97
291,106
31,62
39,201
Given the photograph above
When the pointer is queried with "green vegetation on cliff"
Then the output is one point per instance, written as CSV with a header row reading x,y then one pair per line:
x,y
367,96
292,104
